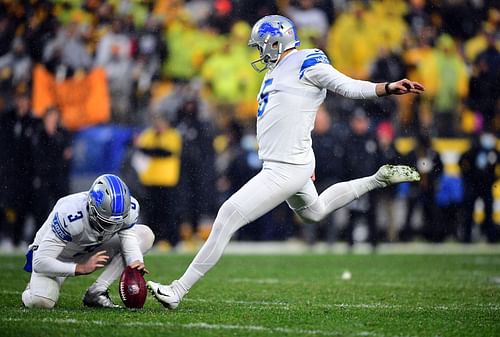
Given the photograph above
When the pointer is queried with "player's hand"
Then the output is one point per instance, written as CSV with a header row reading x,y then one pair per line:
x,y
405,86
139,266
98,260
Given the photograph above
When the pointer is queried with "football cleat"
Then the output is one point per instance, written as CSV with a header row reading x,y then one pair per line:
x,y
165,294
98,300
393,174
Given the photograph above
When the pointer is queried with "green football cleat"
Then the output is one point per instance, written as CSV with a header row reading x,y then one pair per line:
x,y
393,174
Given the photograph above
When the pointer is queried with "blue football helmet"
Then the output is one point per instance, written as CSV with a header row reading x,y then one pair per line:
x,y
272,35
109,203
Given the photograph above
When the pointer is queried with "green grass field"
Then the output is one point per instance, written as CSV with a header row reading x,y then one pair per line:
x,y
289,295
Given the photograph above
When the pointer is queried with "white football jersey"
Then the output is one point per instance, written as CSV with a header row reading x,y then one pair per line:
x,y
289,98
67,234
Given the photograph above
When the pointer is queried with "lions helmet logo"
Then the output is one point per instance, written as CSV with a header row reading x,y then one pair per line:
x,y
268,28
98,196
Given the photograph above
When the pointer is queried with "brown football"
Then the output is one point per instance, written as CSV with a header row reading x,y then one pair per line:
x,y
132,288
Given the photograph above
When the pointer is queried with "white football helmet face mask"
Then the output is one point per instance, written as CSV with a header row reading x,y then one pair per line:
x,y
272,35
109,204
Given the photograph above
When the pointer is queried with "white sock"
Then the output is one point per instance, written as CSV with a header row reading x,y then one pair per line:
x,y
366,184
179,288
190,277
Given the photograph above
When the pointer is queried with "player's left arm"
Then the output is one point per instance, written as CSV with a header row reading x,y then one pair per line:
x,y
129,242
317,70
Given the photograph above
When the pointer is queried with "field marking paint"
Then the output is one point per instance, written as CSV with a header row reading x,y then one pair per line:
x,y
199,325
259,280
287,305
332,281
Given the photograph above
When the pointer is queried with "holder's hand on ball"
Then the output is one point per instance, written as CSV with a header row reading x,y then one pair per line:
x,y
139,266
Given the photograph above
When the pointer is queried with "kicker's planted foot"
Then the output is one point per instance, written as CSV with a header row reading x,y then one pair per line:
x,y
165,294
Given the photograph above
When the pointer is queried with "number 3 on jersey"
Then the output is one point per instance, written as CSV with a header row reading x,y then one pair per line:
x,y
263,97
74,217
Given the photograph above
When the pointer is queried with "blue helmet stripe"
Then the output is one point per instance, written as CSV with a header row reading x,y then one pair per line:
x,y
118,201
113,199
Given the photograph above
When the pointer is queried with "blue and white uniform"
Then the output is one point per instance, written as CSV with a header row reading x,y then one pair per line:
x,y
291,93
67,238
289,98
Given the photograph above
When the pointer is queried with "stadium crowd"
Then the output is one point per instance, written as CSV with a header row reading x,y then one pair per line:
x,y
176,74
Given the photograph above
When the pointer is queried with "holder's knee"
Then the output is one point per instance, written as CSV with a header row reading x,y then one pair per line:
x,y
145,236
34,301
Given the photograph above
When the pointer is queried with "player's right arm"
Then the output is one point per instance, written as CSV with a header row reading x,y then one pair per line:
x,y
98,260
55,239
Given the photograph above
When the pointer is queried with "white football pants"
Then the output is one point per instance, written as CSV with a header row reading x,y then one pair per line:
x,y
275,183
43,291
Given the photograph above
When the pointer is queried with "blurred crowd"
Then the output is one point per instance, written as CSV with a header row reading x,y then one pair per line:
x,y
177,74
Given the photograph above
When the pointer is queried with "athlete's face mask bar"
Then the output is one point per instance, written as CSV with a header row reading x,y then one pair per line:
x,y
103,225
265,58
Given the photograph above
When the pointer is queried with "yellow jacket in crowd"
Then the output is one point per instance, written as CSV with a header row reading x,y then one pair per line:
x,y
443,72
160,153
356,36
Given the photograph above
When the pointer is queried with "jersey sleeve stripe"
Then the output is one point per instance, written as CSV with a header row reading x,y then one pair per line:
x,y
318,53
312,60
58,229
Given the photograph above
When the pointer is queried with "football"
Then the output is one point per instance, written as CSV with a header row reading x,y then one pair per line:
x,y
132,288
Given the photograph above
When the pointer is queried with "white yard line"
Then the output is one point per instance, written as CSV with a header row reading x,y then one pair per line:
x,y
287,305
195,326
259,280
335,280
